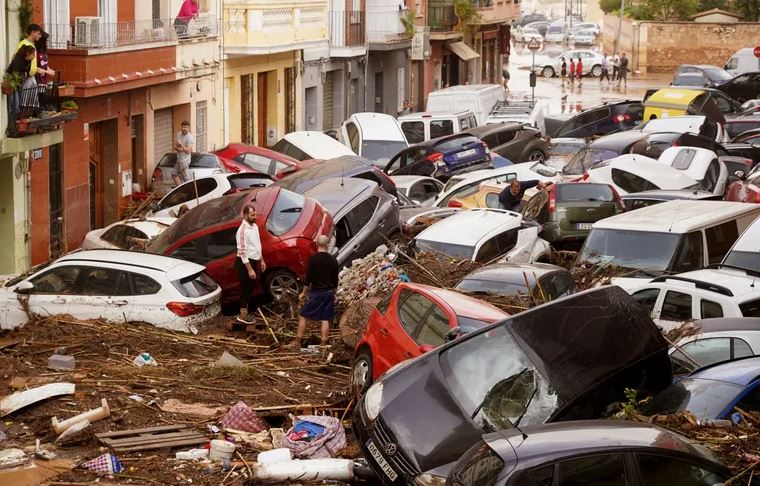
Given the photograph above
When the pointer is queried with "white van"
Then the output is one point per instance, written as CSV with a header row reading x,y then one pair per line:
x,y
423,126
374,136
478,98
743,61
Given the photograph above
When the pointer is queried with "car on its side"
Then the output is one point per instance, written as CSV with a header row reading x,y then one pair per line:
x,y
513,141
288,226
423,126
699,164
373,136
419,189
743,87
713,75
346,166
635,173
541,281
598,452
592,63
609,117
364,216
308,145
747,189
411,321
241,157
126,234
201,165
441,157
638,200
115,286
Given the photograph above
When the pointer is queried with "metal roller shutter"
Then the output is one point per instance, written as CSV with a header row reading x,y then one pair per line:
x,y
327,105
162,133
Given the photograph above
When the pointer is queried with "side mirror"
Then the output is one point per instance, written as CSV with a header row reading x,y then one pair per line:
x,y
25,287
453,333
426,347
739,174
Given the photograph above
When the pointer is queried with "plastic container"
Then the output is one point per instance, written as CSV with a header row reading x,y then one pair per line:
x,y
221,450
275,455
144,359
192,454
61,362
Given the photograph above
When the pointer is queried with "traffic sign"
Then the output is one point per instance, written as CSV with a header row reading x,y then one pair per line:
x,y
534,45
757,51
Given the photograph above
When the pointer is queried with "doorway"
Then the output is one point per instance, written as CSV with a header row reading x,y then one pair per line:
x,y
55,196
104,173
247,134
379,92
139,176
450,70
261,113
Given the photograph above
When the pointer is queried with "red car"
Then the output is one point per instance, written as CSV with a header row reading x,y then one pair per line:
x,y
239,157
288,224
413,320
746,190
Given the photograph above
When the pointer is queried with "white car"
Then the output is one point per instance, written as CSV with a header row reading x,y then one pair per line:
x,y
423,126
308,145
201,165
374,136
124,235
746,251
582,38
115,286
555,33
686,124
586,26
484,235
420,190
526,34
204,189
635,173
592,63
700,164
700,294
717,340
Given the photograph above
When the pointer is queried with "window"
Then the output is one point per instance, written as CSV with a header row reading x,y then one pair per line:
x,y
751,308
414,131
708,351
720,239
506,136
204,161
690,254
144,285
60,280
256,162
631,182
441,128
221,243
466,123
196,285
541,476
287,148
187,192
200,126
556,285
104,281
382,306
488,252
481,468
189,252
711,176
122,236
658,470
361,214
647,298
492,201
412,310
353,136
676,306
285,212
584,192
599,470
709,309
684,159
490,140
587,118
434,330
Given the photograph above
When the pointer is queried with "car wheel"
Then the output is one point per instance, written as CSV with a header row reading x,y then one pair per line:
x,y
596,71
281,284
361,371
547,72
536,156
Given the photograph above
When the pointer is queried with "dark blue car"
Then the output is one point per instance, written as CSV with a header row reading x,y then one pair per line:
x,y
713,392
442,157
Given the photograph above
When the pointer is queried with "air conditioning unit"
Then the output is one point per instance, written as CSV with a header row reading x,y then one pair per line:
x,y
87,31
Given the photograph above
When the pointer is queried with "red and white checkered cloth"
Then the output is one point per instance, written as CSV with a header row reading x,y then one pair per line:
x,y
241,417
105,464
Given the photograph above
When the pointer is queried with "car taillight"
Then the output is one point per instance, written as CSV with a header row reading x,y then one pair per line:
x,y
552,202
455,204
233,168
622,118
584,177
747,162
434,157
185,309
157,174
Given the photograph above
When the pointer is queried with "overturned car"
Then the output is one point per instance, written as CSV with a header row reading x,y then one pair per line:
x,y
565,360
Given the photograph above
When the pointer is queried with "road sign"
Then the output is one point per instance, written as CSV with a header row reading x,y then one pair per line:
x,y
534,45
757,51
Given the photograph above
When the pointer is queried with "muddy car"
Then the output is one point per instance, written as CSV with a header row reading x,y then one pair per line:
x,y
565,360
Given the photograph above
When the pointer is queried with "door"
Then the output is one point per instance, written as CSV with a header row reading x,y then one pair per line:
x,y
327,101
396,339
364,237
53,290
676,308
55,196
145,300
163,133
95,177
247,133
290,100
103,293
261,113
137,125
379,92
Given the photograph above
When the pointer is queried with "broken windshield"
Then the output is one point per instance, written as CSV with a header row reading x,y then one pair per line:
x,y
645,250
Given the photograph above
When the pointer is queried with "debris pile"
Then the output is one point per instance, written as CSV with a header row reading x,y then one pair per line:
x,y
374,275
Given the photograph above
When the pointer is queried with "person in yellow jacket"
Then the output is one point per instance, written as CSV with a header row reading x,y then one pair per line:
x,y
33,34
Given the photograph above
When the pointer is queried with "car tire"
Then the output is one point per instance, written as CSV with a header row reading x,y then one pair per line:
x,y
535,155
596,71
361,370
547,72
281,284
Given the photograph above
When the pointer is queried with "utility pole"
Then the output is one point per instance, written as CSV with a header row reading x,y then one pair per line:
x,y
620,27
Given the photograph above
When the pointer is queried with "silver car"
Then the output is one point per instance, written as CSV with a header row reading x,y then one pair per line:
x,y
201,165
583,38
592,63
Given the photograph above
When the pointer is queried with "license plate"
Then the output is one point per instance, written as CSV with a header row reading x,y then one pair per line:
x,y
584,226
387,469
466,153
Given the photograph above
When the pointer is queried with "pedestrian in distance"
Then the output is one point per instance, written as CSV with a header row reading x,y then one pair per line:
x,y
605,70
623,70
406,108
187,12
579,71
572,71
249,264
184,145
318,293
505,76
615,66
511,196
563,71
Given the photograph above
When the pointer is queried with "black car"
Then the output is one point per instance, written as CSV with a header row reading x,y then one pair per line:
x,y
604,119
344,166
743,87
713,75
442,157
695,80
513,141
592,452
565,360
543,281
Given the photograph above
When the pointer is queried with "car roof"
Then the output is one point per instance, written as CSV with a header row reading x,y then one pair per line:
x,y
676,216
483,130
700,66
173,267
150,226
739,371
317,144
721,324
433,114
739,282
617,140
668,194
471,226
750,239
435,141
466,87
336,193
463,305
376,126
513,272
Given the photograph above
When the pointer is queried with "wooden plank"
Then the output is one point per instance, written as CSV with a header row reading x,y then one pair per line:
x,y
150,439
121,433
176,443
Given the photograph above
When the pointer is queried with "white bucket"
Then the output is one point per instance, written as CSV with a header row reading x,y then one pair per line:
x,y
221,450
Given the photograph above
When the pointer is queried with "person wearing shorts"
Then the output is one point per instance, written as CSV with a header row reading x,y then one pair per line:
x,y
184,146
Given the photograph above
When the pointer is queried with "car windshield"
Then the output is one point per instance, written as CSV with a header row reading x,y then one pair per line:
x,y
492,287
703,398
495,382
689,79
645,250
749,260
566,148
381,151
449,249
584,192
718,75
285,213
587,158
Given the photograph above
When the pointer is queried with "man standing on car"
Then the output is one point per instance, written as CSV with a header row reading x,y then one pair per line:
x,y
184,146
511,197
249,263
319,291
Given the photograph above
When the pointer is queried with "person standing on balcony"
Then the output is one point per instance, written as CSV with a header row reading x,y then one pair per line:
x,y
20,65
33,34
29,99
183,145
43,69
187,12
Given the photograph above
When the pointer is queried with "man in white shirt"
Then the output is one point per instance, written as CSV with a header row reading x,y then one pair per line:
x,y
249,263
184,146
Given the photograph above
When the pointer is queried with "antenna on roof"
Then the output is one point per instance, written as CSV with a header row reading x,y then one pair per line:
x,y
675,215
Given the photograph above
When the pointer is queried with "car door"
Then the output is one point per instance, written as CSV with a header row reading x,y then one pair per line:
x,y
657,470
649,299
601,469
396,340
507,147
53,290
147,304
361,237
104,293
677,307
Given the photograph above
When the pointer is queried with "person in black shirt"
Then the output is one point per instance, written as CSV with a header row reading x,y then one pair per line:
x,y
511,197
319,291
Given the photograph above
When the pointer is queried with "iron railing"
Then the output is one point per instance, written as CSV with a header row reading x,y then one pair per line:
x,y
347,28
441,18
35,109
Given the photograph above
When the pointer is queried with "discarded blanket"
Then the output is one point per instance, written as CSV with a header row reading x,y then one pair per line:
x,y
241,417
106,464
313,437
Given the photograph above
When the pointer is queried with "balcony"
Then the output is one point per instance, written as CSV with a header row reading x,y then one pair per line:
x,y
348,36
36,111
258,27
384,26
496,11
441,16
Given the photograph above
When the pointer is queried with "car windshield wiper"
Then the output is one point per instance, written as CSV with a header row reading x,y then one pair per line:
x,y
483,402
532,395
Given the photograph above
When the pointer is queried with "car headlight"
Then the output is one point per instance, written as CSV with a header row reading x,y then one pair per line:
x,y
372,400
429,480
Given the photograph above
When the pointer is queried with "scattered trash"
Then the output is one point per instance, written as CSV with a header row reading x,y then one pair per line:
x,y
228,360
313,469
41,453
106,464
277,435
260,441
91,416
275,455
144,359
173,405
61,362
372,275
34,473
192,455
151,438
19,400
213,429
315,436
220,450
12,457
241,417
74,433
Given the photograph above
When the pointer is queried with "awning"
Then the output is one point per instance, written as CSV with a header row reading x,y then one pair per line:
x,y
462,50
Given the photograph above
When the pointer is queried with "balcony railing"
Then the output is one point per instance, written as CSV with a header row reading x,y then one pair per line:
x,y
261,27
36,109
441,18
384,24
347,28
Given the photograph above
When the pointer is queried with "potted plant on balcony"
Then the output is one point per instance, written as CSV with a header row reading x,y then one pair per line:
x,y
66,90
68,106
11,82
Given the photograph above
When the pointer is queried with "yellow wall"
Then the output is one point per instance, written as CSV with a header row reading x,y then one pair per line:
x,y
13,216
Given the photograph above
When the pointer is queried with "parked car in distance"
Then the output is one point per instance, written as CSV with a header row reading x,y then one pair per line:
x,y
742,61
556,31
411,321
743,253
635,173
115,286
126,234
609,117
699,164
477,98
483,235
513,141
419,189
743,87
539,25
288,227
747,189
423,126
241,157
505,375
346,166
541,281
712,392
692,80
308,145
714,75
527,34
441,157
531,19
201,165
373,136
363,215
582,38
592,63
638,200
592,452
742,124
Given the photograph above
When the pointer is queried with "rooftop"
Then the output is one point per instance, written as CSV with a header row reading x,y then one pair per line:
x,y
741,284
150,261
469,227
336,193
